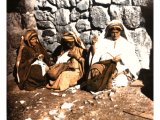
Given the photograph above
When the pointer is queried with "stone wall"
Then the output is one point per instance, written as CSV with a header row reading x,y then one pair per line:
x,y
85,17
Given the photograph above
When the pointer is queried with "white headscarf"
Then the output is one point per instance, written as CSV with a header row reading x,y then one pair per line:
x,y
131,60
124,32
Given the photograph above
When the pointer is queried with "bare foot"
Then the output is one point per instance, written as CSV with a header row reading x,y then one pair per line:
x,y
49,86
51,82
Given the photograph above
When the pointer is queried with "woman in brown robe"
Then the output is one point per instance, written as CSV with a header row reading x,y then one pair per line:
x,y
32,62
71,53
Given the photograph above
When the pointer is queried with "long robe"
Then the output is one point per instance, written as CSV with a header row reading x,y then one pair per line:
x,y
31,75
75,71
107,49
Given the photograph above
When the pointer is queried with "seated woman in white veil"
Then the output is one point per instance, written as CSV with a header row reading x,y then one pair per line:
x,y
116,45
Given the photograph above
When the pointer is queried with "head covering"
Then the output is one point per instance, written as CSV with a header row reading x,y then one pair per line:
x,y
29,35
113,25
68,37
71,36
117,24
115,28
25,40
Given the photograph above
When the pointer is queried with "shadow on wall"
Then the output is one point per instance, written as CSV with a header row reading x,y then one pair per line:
x,y
147,13
147,75
15,6
12,5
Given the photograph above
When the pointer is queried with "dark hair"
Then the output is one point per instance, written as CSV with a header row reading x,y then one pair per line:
x,y
115,28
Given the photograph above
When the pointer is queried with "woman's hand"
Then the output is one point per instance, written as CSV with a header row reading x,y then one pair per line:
x,y
72,54
94,39
22,40
40,56
116,58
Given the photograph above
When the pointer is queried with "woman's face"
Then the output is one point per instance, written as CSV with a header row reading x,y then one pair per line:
x,y
33,41
115,34
70,44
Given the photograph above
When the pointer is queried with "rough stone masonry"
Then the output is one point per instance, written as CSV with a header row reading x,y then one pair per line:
x,y
85,17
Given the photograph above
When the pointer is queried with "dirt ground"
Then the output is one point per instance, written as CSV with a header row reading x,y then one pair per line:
x,y
125,103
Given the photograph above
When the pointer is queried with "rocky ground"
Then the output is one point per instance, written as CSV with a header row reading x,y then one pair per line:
x,y
125,103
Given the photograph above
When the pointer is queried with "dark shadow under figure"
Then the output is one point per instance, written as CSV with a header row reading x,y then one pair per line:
x,y
147,78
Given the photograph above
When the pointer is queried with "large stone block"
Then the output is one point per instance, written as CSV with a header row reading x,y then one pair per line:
x,y
143,2
122,2
63,3
62,16
40,15
132,16
99,16
73,3
69,27
116,12
49,32
143,46
83,5
83,25
105,2
75,15
45,24
53,2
